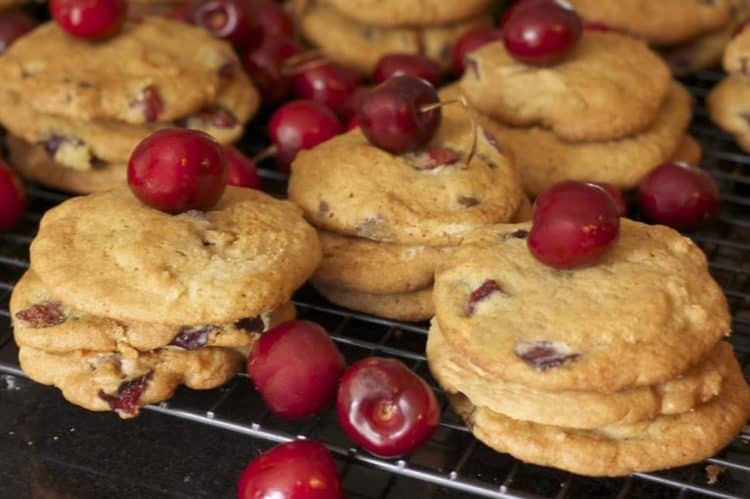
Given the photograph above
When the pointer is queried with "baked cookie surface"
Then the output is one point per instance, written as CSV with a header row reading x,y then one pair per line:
x,y
413,306
729,107
393,13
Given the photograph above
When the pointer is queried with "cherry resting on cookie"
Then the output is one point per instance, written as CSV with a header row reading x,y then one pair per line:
x,y
471,41
407,64
574,223
89,19
177,170
300,124
296,470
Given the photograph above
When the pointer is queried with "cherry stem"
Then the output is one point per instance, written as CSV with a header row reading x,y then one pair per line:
x,y
300,63
266,153
472,117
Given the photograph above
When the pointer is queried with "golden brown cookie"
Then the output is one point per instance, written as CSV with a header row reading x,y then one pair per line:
x,y
414,306
689,151
729,107
393,13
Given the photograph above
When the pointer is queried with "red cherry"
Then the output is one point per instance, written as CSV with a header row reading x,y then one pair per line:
x,y
296,368
470,41
300,124
391,114
271,16
89,19
542,32
327,83
617,197
227,20
679,195
386,408
264,61
296,470
12,197
12,26
573,224
349,109
241,170
183,12
353,123
176,170
407,64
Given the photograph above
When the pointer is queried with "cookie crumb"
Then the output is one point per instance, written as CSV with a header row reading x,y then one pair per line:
x,y
713,472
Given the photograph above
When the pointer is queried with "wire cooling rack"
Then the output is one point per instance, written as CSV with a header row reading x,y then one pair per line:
x,y
453,463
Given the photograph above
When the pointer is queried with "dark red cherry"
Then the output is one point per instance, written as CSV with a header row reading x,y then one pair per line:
x,y
271,16
325,82
386,408
574,224
12,26
183,12
352,124
679,195
241,170
264,62
408,64
349,109
89,19
542,32
227,20
393,116
296,368
617,197
177,170
12,197
469,42
300,124
296,470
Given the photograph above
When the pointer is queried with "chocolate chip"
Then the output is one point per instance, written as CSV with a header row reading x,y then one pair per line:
x,y
486,159
85,84
745,66
518,234
323,208
544,355
251,324
41,315
228,70
125,400
487,288
368,32
192,337
468,201
491,139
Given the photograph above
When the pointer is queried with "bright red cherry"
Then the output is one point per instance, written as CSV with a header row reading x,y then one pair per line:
x,y
542,32
679,195
617,197
408,64
241,170
12,197
393,116
176,170
470,41
12,26
271,16
386,408
296,470
89,19
227,20
325,82
264,62
573,224
300,124
296,368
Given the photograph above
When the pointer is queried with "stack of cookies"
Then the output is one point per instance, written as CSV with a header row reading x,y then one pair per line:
x,y
386,221
609,112
74,110
356,34
729,101
123,303
607,370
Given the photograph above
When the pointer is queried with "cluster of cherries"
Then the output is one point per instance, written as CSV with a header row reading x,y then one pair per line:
x,y
381,405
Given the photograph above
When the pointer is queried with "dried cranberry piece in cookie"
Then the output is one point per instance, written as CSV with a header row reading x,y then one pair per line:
x,y
251,324
192,337
125,400
433,157
486,289
45,314
150,102
545,355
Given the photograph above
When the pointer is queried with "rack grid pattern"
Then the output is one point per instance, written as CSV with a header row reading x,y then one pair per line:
x,y
453,463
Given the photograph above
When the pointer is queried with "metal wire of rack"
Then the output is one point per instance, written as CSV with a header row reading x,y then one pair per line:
x,y
453,463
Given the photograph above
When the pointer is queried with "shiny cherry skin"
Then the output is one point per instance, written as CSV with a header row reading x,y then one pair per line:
x,y
407,64
574,223
12,197
386,408
176,170
348,110
303,469
679,195
325,82
300,124
12,26
296,369
89,19
392,118
542,32
228,20
617,197
241,170
264,62
469,42
271,16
